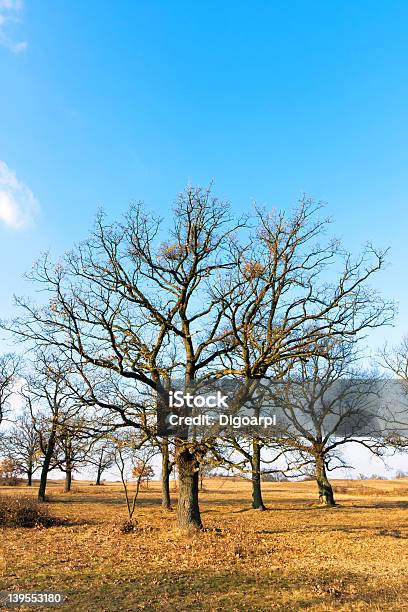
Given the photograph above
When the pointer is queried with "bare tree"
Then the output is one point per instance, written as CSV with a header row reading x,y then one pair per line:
x,y
9,371
281,309
326,403
198,305
395,361
132,451
243,454
9,472
73,444
51,404
21,443
115,302
101,457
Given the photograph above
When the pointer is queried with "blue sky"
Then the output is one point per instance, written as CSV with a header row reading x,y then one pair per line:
x,y
102,103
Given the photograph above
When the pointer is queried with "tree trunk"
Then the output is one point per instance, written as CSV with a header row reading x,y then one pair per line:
x,y
100,469
46,467
29,477
188,509
257,501
98,476
68,479
165,479
326,496
68,464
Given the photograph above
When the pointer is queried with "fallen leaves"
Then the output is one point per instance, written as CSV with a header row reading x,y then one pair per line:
x,y
293,556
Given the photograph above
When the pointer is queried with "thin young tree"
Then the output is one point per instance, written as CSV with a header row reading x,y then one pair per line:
x,y
132,457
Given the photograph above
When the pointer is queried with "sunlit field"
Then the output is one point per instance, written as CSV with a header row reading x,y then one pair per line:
x,y
296,555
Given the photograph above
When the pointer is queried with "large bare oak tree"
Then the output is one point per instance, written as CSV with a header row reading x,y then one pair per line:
x,y
199,296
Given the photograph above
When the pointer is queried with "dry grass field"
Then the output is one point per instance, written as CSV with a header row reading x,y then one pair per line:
x,y
295,556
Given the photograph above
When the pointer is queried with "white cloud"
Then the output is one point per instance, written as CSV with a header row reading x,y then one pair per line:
x,y
10,12
18,205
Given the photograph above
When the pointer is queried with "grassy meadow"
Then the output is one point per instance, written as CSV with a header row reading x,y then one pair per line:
x,y
294,556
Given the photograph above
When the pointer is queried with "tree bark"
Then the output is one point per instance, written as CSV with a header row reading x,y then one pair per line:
x,y
46,466
165,478
29,477
68,465
257,501
98,476
188,509
100,469
68,479
326,495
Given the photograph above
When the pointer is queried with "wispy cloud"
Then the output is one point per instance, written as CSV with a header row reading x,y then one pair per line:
x,y
18,205
10,12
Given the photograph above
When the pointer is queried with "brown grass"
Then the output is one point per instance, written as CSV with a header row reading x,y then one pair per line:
x,y
295,556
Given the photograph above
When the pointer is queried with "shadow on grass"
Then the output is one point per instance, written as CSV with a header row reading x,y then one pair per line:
x,y
382,504
66,498
209,589
294,505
